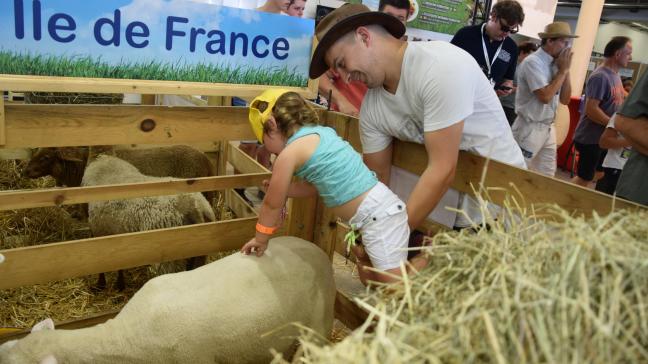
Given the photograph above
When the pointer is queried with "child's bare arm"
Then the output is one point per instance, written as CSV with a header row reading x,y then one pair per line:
x,y
273,202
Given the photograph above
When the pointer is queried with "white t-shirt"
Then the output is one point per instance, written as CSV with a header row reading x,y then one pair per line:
x,y
440,85
616,158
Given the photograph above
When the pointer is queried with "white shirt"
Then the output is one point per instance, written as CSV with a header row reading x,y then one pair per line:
x,y
616,158
440,85
534,73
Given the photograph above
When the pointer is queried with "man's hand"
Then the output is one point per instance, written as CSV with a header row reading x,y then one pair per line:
x,y
254,246
506,83
564,60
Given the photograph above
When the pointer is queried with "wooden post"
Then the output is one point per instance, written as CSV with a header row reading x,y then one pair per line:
x,y
148,100
3,135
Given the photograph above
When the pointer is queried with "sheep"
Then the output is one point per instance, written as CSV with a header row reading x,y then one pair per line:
x,y
67,164
138,214
233,310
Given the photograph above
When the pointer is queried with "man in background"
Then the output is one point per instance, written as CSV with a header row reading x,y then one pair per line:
x,y
296,8
490,45
604,94
543,81
508,101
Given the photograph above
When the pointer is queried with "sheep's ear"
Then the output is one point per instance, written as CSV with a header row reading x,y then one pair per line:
x,y
50,359
46,324
71,154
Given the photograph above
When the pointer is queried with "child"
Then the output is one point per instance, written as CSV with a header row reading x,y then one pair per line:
x,y
287,126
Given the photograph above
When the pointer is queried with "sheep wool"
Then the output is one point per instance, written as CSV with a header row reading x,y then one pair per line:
x,y
138,214
233,310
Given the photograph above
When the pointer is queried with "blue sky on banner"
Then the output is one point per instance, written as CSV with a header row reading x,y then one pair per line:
x,y
154,14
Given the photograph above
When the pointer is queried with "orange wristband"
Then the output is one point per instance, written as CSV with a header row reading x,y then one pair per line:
x,y
266,230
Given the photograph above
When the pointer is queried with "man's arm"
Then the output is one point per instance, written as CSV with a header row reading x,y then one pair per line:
x,y
546,94
635,130
442,148
594,112
565,90
380,162
610,140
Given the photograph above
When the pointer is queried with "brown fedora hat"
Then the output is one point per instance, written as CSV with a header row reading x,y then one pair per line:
x,y
343,20
557,29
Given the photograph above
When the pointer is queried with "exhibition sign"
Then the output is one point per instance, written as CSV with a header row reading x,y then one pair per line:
x,y
170,40
441,16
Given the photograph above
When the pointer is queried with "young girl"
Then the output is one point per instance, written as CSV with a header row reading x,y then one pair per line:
x,y
328,165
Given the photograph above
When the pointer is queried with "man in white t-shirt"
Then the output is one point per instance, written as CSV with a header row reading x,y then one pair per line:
x,y
432,93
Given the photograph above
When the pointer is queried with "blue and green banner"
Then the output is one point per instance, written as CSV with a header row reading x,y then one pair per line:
x,y
172,40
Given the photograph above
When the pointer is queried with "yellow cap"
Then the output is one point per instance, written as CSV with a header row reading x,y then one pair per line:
x,y
261,109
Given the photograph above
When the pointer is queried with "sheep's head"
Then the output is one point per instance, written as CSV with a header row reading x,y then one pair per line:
x,y
195,209
50,161
41,163
11,351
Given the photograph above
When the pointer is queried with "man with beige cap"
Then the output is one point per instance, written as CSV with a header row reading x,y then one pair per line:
x,y
431,93
543,80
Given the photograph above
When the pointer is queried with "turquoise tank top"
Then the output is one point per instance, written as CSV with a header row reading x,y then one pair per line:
x,y
335,168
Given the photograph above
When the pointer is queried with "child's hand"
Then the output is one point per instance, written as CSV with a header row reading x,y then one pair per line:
x,y
254,246
265,185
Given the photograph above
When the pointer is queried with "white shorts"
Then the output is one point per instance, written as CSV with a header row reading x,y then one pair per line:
x,y
382,221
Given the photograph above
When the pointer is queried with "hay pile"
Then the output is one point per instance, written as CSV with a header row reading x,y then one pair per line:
x,y
72,298
72,98
561,290
28,227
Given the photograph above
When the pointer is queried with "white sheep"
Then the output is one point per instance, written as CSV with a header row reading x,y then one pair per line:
x,y
138,214
67,164
233,310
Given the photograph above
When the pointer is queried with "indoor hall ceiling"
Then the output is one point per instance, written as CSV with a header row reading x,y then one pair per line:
x,y
633,13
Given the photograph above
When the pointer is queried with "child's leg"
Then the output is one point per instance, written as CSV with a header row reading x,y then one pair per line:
x,y
382,220
363,262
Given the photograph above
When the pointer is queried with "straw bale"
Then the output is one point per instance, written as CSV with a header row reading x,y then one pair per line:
x,y
560,289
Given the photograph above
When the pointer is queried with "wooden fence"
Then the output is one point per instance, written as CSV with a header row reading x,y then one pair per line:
x,y
26,126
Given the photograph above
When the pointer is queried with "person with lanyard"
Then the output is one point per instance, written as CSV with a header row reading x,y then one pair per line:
x,y
490,45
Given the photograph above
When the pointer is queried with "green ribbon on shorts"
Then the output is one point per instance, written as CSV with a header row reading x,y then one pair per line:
x,y
350,238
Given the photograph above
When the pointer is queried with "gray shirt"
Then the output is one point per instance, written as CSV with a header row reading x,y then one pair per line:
x,y
605,85
633,184
534,73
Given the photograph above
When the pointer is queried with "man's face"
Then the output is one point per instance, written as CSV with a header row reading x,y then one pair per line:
x,y
351,58
624,55
555,46
400,14
297,8
500,28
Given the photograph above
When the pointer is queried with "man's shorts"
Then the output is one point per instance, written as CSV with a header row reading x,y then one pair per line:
x,y
382,221
590,160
